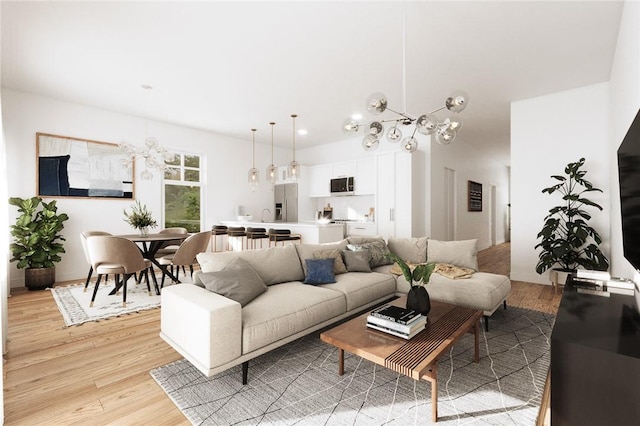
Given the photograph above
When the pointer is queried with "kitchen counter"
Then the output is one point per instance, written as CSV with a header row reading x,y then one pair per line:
x,y
312,233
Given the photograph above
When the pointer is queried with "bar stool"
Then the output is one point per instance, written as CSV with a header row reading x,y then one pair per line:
x,y
282,235
236,232
218,231
254,234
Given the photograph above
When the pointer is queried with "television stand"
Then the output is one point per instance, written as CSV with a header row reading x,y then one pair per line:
x,y
595,360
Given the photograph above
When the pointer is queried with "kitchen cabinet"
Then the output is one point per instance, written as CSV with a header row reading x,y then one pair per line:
x,y
319,180
394,194
282,176
343,169
365,183
361,228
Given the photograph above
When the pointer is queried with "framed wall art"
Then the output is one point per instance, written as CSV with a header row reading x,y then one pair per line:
x,y
81,168
475,197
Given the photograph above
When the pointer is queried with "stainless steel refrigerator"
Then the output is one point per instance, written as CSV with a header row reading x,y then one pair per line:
x,y
286,202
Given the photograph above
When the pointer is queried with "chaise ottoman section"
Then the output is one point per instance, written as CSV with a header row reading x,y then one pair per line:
x,y
286,309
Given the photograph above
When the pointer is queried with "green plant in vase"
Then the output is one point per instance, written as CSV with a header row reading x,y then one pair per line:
x,y
140,218
418,278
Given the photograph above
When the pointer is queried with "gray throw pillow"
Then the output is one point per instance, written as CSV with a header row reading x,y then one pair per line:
x,y
357,261
237,281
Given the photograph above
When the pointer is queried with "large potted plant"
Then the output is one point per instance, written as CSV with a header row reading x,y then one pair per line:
x,y
418,276
566,239
37,240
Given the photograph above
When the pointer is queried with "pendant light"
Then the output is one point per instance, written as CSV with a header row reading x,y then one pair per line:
x,y
294,167
272,170
254,174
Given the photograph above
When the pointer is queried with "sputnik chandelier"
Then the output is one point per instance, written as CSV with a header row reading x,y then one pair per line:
x,y
444,131
155,156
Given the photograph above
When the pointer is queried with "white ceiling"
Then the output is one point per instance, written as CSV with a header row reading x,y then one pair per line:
x,y
226,67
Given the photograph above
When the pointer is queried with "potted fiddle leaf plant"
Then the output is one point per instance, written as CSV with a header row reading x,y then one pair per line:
x,y
418,278
37,240
140,218
567,241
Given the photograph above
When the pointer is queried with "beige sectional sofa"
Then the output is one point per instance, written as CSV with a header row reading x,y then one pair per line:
x,y
256,300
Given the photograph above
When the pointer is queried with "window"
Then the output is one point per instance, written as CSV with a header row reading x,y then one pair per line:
x,y
182,185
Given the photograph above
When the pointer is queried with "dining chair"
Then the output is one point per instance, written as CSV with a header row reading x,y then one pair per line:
x,y
83,238
186,253
171,246
282,235
117,256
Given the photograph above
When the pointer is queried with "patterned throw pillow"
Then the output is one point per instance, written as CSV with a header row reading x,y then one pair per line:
x,y
319,271
338,265
378,250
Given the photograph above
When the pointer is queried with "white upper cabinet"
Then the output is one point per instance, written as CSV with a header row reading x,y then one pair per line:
x,y
343,169
319,180
365,183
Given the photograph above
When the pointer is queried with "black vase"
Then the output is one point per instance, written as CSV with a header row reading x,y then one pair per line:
x,y
418,300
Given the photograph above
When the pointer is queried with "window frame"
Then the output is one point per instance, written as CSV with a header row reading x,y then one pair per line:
x,y
182,182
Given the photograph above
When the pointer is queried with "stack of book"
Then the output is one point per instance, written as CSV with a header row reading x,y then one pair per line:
x,y
601,282
400,322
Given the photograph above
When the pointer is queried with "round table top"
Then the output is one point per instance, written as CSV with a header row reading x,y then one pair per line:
x,y
162,236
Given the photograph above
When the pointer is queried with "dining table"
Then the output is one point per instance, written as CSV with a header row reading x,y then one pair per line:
x,y
149,245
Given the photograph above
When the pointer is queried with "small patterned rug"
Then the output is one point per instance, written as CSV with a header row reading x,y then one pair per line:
x,y
298,384
73,301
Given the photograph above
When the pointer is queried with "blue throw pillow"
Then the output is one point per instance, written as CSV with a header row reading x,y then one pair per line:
x,y
320,271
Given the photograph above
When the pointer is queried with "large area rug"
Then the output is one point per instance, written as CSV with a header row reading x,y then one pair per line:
x,y
73,302
299,384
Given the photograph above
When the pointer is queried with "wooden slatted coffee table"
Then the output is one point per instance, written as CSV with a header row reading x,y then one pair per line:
x,y
416,358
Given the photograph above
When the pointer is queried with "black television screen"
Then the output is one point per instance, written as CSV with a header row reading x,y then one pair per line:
x,y
629,177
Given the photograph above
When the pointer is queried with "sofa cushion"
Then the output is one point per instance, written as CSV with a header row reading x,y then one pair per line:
x,y
267,319
378,250
362,288
305,251
319,271
237,281
274,265
412,250
459,253
357,261
338,264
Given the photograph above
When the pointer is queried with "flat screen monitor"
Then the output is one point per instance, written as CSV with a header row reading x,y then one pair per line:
x,y
629,176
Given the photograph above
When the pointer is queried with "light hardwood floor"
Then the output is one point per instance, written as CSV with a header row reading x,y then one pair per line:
x,y
98,373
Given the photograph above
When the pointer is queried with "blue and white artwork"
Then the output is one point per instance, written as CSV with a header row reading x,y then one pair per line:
x,y
69,167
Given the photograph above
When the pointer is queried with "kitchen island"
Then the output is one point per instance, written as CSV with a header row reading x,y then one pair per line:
x,y
311,232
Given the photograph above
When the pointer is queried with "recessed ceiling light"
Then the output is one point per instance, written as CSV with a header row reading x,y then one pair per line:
x,y
302,132
357,116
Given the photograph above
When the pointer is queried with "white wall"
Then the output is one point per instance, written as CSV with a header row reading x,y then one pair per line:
x,y
227,162
469,164
624,104
547,133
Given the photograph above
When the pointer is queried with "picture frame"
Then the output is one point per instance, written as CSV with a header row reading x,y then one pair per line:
x,y
474,200
68,167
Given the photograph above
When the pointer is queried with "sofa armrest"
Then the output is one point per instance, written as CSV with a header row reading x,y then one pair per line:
x,y
202,326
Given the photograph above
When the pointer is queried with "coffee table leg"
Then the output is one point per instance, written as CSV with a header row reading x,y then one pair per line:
x,y
434,393
340,362
476,334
